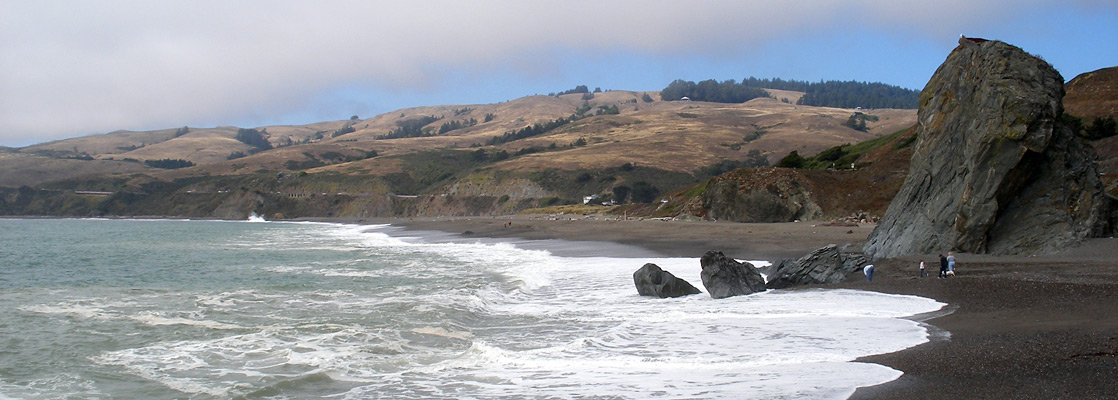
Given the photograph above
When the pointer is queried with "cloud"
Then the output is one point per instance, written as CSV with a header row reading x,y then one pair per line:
x,y
79,67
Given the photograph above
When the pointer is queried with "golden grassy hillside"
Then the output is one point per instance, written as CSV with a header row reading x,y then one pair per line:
x,y
677,136
1093,94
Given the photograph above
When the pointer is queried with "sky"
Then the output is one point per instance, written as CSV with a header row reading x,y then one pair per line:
x,y
74,68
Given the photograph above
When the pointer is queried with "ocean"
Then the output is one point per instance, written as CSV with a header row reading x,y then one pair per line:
x,y
171,309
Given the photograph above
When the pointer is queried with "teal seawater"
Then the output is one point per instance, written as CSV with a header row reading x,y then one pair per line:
x,y
154,309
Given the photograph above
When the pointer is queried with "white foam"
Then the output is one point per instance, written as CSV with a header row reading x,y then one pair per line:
x,y
256,218
157,319
698,346
97,308
75,310
438,331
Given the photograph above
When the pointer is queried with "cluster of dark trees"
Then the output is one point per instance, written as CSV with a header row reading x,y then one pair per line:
x,y
534,130
577,89
826,158
607,110
411,128
842,94
254,138
1099,128
168,163
640,192
456,124
480,155
853,94
343,130
711,90
792,160
753,158
857,121
538,129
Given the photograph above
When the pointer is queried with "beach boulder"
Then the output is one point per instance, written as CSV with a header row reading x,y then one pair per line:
x,y
653,281
994,169
824,265
725,277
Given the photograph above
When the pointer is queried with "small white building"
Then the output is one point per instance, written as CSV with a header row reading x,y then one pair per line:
x,y
588,199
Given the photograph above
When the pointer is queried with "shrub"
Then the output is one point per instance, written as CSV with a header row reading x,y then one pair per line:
x,y
792,160
344,130
253,138
168,163
643,192
621,193
410,128
577,89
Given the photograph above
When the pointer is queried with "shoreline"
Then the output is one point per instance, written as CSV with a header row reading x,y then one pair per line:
x,y
1021,327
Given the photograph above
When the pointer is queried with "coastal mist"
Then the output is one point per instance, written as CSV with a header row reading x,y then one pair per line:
x,y
159,309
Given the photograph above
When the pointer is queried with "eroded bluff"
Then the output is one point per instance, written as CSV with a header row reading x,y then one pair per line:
x,y
994,170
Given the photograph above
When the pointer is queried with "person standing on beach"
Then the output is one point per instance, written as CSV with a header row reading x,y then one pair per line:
x,y
868,270
923,273
942,267
951,262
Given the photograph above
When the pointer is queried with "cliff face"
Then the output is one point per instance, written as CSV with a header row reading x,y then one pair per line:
x,y
993,169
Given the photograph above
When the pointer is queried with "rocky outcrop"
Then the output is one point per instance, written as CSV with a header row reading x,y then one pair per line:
x,y
725,277
653,281
760,195
824,265
994,170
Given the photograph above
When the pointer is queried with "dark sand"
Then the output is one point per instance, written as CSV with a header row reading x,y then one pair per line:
x,y
1015,328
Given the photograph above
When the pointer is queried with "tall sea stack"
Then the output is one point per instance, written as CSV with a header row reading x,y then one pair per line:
x,y
994,170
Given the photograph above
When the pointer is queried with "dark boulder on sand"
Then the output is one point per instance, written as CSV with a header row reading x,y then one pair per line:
x,y
994,170
725,277
653,281
824,265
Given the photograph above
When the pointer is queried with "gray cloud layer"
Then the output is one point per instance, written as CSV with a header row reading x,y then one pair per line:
x,y
79,67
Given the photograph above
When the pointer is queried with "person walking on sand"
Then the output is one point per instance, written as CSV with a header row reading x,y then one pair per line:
x,y
923,273
868,270
942,267
951,263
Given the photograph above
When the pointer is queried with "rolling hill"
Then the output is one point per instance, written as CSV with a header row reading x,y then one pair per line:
x,y
677,136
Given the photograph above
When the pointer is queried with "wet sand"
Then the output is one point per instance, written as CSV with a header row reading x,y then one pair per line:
x,y
1016,327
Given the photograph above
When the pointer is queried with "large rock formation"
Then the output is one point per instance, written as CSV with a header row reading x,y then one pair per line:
x,y
759,195
824,265
994,170
725,277
653,281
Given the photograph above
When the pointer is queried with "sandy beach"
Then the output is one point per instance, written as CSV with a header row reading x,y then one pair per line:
x,y
1015,327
